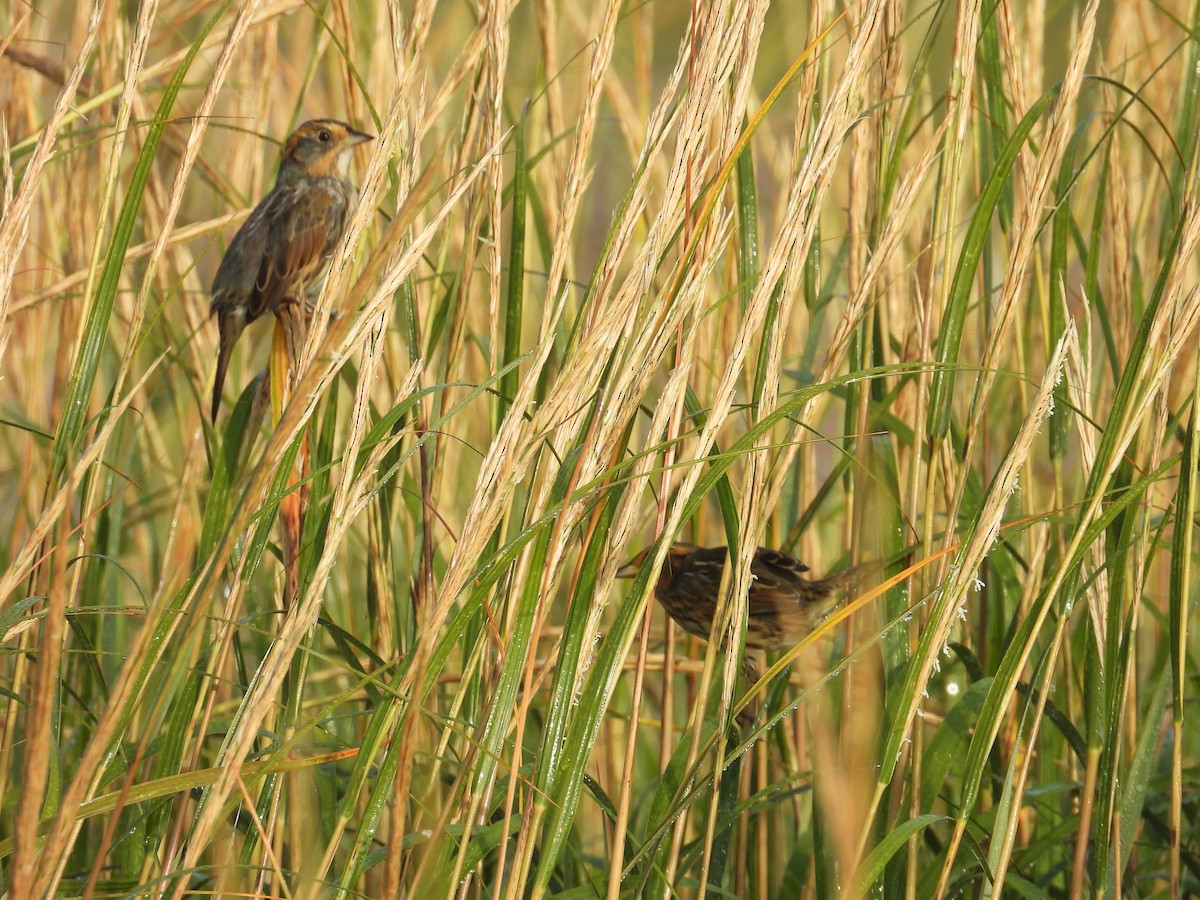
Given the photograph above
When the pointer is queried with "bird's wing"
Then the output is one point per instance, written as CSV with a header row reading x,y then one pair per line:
x,y
783,604
304,221
234,282
776,573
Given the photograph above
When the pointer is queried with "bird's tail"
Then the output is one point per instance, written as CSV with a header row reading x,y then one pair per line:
x,y
855,577
231,325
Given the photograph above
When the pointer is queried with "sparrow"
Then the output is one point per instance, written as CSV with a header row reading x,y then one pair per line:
x,y
784,605
283,251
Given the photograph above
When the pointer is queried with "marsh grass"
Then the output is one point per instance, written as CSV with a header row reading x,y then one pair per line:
x,y
911,282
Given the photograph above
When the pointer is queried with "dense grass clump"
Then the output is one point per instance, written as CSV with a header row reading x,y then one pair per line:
x,y
874,281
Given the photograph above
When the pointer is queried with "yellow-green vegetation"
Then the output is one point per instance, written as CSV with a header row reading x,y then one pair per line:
x,y
914,282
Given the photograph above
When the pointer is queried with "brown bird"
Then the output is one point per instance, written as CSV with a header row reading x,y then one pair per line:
x,y
784,606
282,253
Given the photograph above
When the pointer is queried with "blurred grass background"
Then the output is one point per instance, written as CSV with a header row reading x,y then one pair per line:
x,y
881,280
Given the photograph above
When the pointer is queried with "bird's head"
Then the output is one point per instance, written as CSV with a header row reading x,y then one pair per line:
x,y
675,555
321,148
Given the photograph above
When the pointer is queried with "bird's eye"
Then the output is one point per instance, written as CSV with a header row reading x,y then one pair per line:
x,y
324,136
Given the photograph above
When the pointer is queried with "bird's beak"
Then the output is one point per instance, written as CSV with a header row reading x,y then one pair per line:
x,y
630,568
359,137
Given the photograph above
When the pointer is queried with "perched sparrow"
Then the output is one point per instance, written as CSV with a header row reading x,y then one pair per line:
x,y
281,254
784,606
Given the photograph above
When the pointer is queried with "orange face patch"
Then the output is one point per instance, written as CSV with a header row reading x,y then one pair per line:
x,y
317,144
